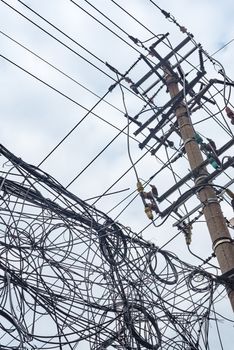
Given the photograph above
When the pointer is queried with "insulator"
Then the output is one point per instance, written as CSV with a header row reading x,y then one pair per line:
x,y
213,162
149,212
211,143
128,80
187,229
230,114
140,187
183,29
198,138
188,238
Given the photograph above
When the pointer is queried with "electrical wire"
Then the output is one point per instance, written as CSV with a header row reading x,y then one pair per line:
x,y
58,40
128,132
106,259
60,71
89,111
52,270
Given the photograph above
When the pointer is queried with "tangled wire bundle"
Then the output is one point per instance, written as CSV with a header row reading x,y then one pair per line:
x,y
70,277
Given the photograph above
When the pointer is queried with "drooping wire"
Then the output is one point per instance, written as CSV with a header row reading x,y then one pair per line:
x,y
128,132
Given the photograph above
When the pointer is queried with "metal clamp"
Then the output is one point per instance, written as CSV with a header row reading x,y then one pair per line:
x,y
221,240
200,179
188,140
183,113
210,201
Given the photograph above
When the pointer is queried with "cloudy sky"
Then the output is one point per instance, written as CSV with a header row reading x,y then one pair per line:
x,y
53,71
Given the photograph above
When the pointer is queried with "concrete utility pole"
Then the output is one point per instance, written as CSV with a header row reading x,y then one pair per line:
x,y
220,236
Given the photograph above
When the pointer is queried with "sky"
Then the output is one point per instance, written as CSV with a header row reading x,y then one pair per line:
x,y
36,116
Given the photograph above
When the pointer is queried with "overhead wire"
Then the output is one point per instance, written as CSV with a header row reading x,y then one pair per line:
x,y
211,114
65,45
60,71
106,27
58,40
146,182
86,89
171,18
166,164
70,314
89,111
59,30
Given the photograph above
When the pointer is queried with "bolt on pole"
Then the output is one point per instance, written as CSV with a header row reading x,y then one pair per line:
x,y
222,242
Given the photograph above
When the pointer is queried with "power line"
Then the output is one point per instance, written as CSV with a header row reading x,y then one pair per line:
x,y
99,153
106,27
58,40
62,32
70,99
134,18
60,71
68,47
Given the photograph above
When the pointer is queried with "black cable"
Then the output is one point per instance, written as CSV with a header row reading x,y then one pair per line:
x,y
206,261
134,18
70,99
60,31
60,71
92,161
102,24
68,47
58,40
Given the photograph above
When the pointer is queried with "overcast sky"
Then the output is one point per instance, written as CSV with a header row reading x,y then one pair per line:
x,y
35,118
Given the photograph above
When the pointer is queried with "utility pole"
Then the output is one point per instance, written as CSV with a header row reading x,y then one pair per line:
x,y
168,70
222,242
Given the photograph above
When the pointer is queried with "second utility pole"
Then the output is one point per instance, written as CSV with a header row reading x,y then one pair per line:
x,y
222,242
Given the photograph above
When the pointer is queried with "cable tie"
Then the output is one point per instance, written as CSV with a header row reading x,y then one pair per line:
x,y
212,200
140,187
200,179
